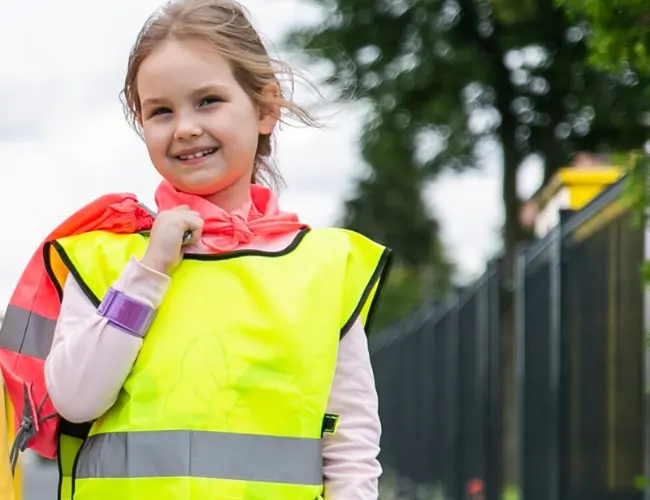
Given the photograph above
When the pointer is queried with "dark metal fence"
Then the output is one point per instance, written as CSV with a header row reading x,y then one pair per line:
x,y
577,377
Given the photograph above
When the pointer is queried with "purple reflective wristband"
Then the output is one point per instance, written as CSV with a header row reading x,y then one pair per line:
x,y
126,313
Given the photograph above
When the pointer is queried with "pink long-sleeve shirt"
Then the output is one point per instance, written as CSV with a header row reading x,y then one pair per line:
x,y
90,361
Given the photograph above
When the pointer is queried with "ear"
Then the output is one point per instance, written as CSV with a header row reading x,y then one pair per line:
x,y
270,112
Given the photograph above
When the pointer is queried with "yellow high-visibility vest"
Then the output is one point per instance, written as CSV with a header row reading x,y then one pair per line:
x,y
227,398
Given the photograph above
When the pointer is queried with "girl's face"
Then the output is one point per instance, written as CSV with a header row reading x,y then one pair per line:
x,y
200,126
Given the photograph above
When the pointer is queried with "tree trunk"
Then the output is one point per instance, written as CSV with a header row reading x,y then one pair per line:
x,y
512,235
512,230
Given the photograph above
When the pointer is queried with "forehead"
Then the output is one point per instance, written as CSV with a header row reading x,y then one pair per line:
x,y
182,66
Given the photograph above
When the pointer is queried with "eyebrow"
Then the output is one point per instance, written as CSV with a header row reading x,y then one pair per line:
x,y
205,89
212,87
153,101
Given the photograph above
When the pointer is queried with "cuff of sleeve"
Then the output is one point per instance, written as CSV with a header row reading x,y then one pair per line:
x,y
143,284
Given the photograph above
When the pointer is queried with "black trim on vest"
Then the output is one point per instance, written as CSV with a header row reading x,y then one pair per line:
x,y
190,256
58,464
78,431
73,270
249,253
379,277
75,464
47,256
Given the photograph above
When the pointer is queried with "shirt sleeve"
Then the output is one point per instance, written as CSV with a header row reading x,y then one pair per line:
x,y
351,467
90,359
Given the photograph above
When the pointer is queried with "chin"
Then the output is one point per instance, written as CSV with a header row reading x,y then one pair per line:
x,y
199,188
205,182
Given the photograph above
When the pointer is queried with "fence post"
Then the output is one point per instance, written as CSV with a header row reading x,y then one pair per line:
x,y
646,365
516,490
493,478
555,334
451,331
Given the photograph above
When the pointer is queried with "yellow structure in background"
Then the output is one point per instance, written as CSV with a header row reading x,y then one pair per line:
x,y
10,487
570,188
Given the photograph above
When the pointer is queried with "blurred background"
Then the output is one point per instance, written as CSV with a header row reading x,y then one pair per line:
x,y
498,146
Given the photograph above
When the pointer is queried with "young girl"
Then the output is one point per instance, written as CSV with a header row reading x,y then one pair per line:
x,y
224,355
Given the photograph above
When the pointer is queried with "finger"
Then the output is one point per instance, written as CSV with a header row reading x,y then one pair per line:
x,y
188,238
194,237
194,222
190,218
195,226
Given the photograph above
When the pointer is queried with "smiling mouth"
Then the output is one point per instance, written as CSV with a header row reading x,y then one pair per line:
x,y
198,154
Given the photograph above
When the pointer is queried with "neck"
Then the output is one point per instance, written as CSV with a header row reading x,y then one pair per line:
x,y
233,197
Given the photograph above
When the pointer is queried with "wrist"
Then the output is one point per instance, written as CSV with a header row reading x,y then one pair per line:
x,y
155,263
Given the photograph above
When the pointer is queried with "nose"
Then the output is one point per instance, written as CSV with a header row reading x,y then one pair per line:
x,y
187,127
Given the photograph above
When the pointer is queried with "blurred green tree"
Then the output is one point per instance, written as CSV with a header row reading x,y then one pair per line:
x,y
618,41
619,32
454,83
449,81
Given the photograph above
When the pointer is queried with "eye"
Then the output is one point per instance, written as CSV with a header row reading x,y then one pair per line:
x,y
210,100
160,111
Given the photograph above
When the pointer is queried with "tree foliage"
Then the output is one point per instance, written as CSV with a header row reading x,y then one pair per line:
x,y
454,83
619,32
446,77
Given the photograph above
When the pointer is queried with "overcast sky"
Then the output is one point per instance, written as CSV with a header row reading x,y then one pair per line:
x,y
64,141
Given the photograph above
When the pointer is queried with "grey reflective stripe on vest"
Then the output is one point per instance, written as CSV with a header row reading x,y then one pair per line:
x,y
26,332
202,454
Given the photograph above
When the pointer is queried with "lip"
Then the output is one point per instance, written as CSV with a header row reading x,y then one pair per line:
x,y
191,151
195,161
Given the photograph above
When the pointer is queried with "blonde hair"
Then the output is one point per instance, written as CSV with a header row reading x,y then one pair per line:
x,y
225,26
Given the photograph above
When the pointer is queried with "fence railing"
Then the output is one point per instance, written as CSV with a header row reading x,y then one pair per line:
x,y
536,393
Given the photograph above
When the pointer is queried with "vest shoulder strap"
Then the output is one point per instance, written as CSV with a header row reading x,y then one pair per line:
x,y
95,259
367,268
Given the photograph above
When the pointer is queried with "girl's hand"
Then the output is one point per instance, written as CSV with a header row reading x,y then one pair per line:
x,y
166,242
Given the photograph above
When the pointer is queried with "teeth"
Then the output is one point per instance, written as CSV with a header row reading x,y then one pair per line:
x,y
200,154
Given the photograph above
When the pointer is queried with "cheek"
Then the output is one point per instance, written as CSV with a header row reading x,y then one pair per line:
x,y
155,140
248,120
239,130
